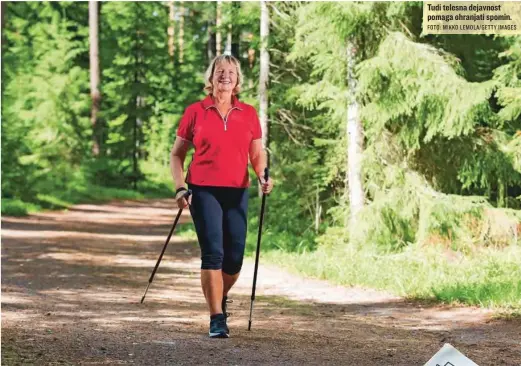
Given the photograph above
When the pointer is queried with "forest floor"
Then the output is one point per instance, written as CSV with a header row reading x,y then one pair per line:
x,y
72,283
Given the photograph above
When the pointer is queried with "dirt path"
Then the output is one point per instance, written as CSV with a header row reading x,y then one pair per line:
x,y
72,281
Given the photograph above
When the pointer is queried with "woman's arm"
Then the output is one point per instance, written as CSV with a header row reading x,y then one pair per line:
x,y
259,162
258,157
177,159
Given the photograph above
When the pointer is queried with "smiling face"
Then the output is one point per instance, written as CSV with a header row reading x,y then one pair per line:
x,y
224,77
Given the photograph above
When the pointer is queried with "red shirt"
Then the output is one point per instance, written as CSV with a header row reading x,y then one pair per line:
x,y
221,143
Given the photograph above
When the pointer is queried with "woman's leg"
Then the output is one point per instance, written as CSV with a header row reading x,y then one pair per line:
x,y
207,216
228,282
234,236
212,284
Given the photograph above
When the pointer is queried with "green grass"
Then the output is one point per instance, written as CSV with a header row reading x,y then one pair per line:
x,y
16,207
186,231
82,193
489,278
54,193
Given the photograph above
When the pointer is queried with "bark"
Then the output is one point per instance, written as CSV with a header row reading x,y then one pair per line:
x,y
228,49
236,31
4,10
181,31
318,211
171,30
355,142
251,61
501,196
211,46
264,74
94,74
218,39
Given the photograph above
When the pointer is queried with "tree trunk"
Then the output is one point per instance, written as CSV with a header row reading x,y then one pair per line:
x,y
218,39
236,31
181,31
94,74
228,49
264,71
4,10
251,60
264,74
171,30
355,143
139,99
211,47
211,43
318,211
501,196
135,147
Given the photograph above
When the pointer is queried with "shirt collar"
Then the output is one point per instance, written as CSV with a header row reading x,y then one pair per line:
x,y
208,102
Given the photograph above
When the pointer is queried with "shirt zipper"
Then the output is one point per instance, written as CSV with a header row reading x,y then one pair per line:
x,y
225,118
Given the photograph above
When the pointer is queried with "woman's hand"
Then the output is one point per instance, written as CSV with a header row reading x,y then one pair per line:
x,y
266,186
181,200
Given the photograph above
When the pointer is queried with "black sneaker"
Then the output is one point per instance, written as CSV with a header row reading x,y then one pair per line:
x,y
218,327
226,314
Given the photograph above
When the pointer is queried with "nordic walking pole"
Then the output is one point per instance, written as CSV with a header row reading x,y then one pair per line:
x,y
186,195
266,175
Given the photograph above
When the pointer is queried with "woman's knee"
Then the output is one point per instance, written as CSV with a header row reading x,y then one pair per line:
x,y
212,261
232,262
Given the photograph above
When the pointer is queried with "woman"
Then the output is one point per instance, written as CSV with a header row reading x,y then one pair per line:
x,y
223,132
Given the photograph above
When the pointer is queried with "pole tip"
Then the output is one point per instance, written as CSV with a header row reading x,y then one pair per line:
x,y
145,293
249,325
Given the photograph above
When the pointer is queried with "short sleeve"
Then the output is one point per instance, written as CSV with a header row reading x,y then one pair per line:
x,y
257,130
185,130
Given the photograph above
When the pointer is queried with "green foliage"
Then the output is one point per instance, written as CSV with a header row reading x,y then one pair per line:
x,y
412,90
285,226
437,116
79,189
509,80
478,55
15,207
45,125
186,232
133,47
430,133
406,210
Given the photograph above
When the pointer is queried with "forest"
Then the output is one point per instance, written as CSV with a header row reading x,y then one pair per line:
x,y
396,155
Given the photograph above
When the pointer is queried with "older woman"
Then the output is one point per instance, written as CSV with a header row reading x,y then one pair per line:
x,y
223,132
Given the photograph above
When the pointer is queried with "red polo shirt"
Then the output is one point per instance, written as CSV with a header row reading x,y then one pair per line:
x,y
221,143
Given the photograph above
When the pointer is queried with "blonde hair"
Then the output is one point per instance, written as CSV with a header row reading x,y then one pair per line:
x,y
208,86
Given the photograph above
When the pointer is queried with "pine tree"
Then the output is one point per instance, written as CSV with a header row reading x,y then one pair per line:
x,y
45,131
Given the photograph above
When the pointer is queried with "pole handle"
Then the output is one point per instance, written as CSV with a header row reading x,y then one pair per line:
x,y
187,194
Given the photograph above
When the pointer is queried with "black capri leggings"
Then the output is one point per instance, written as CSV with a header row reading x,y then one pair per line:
x,y
220,219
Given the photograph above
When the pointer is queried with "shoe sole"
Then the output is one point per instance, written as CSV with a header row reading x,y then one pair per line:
x,y
218,335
